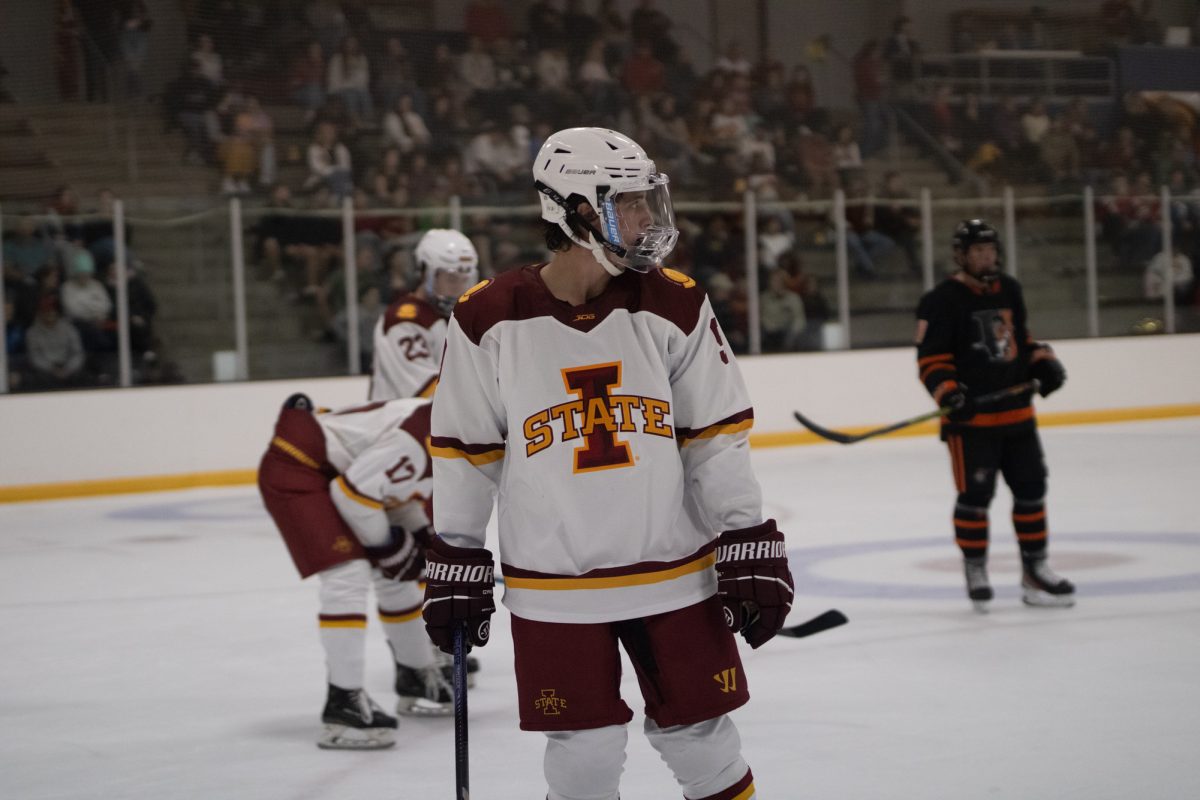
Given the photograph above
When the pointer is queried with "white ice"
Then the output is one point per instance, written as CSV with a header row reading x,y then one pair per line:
x,y
160,646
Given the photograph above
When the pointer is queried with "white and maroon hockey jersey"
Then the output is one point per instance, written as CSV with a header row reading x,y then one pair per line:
x,y
616,434
408,350
385,476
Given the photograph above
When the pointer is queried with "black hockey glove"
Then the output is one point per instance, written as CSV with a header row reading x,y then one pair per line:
x,y
962,407
1047,370
402,558
458,591
754,581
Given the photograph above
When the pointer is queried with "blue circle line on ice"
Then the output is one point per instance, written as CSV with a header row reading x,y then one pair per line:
x,y
200,509
805,561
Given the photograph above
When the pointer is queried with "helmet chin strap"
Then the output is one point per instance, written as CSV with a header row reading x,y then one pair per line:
x,y
597,250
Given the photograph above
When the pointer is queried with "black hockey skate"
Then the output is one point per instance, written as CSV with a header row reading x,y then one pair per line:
x,y
353,721
1041,586
979,589
446,662
423,692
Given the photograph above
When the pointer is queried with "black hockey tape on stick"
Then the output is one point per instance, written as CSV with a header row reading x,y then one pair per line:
x,y
462,780
822,622
850,438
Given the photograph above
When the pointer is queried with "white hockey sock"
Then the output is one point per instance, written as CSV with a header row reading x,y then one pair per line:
x,y
706,757
585,765
343,622
400,612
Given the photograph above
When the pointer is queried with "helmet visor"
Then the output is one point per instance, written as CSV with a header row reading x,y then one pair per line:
x,y
642,223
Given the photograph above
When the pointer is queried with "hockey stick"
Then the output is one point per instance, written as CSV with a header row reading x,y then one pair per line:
x,y
851,438
822,622
462,780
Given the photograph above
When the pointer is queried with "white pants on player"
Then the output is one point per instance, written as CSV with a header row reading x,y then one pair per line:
x,y
344,591
706,758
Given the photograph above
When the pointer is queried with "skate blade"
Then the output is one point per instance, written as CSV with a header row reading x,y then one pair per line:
x,y
423,707
341,737
1036,598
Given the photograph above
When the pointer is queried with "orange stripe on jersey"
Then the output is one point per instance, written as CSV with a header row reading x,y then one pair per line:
x,y
356,495
971,543
429,388
1031,537
942,389
612,581
393,618
932,368
477,459
294,452
970,524
936,357
716,430
999,418
1034,517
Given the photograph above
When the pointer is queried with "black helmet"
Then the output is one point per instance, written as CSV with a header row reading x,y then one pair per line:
x,y
975,231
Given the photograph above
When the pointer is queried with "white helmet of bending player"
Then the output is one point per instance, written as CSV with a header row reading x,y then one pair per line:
x,y
634,222
449,266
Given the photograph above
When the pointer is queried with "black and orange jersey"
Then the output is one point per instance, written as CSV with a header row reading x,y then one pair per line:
x,y
974,335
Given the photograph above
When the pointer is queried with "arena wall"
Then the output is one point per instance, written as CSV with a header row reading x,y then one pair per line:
x,y
107,441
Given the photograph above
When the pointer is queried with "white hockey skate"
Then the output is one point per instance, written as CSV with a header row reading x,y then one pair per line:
x,y
423,692
979,589
1042,587
353,721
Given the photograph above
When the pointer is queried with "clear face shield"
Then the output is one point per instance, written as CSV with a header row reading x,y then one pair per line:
x,y
641,223
449,284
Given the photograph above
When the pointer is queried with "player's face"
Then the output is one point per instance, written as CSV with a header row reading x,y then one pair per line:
x,y
981,259
451,284
633,215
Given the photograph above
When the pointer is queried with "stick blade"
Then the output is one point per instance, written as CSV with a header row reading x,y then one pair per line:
x,y
825,433
823,622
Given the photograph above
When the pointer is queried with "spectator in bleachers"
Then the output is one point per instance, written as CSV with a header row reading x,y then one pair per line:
x,y
329,162
897,218
142,307
733,61
672,143
394,77
487,20
1035,122
492,157
327,20
306,80
476,67
26,253
1179,268
349,77
208,61
1059,153
847,158
1006,126
642,73
370,307
866,244
600,92
614,32
193,98
773,242
544,22
902,52
14,342
944,120
868,91
134,23
815,154
1123,154
1129,221
403,127
649,25
781,312
86,303
54,350
66,52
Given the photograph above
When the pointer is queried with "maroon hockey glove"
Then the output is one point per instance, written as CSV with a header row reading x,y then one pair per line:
x,y
403,558
754,581
458,591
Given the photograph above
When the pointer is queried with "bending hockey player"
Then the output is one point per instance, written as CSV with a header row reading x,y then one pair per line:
x,y
347,489
599,396
410,334
972,339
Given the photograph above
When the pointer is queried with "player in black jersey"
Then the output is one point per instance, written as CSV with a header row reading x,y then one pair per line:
x,y
972,339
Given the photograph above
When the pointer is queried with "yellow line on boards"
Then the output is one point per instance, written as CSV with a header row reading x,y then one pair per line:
x,y
238,477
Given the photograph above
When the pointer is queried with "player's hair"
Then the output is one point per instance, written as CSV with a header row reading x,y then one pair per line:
x,y
556,238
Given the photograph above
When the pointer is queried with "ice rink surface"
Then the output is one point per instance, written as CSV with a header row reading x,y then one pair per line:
x,y
160,646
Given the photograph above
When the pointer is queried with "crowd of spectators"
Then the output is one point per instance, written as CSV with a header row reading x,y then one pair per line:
x,y
60,289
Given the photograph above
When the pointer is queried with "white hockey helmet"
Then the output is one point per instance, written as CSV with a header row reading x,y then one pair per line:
x,y
442,250
634,227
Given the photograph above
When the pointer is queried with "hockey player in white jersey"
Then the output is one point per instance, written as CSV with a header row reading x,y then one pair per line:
x,y
410,334
597,395
346,489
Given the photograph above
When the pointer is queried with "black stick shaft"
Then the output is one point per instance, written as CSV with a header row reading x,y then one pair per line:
x,y
462,780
